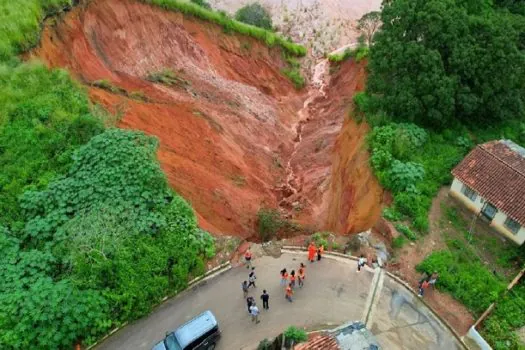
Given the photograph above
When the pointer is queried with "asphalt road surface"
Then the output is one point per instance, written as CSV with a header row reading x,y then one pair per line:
x,y
334,293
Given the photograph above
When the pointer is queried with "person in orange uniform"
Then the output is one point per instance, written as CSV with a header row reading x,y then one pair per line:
x,y
311,251
284,277
292,278
289,293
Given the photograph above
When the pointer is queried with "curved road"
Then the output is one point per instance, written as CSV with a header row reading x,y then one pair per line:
x,y
334,293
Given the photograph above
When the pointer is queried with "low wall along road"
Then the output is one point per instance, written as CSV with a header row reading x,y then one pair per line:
x,y
334,293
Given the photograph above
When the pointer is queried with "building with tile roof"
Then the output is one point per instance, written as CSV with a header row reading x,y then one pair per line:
x,y
490,181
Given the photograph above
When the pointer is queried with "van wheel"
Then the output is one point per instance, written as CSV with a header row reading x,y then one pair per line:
x,y
212,346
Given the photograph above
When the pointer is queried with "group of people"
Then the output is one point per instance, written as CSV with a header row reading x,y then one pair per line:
x,y
288,280
427,281
253,310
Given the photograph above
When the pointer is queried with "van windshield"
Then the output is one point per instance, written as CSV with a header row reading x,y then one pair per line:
x,y
172,343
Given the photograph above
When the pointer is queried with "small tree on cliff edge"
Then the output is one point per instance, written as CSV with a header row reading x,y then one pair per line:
x,y
369,24
255,14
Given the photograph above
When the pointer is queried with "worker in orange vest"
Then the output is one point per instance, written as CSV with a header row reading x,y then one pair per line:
x,y
248,258
311,251
292,278
284,277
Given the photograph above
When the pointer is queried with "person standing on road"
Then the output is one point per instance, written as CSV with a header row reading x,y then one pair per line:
x,y
320,251
361,262
301,275
252,278
248,258
292,278
249,302
289,293
311,251
244,286
284,277
265,297
254,311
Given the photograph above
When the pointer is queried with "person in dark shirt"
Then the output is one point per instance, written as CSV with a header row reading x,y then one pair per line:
x,y
265,297
250,301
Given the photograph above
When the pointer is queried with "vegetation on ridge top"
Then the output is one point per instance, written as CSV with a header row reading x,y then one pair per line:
x,y
230,25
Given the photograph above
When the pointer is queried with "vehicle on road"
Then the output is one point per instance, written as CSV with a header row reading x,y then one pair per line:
x,y
200,333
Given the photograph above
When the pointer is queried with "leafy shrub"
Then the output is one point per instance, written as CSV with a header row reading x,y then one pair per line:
x,y
406,231
265,344
391,214
229,24
254,14
269,222
297,335
295,76
398,242
361,102
404,176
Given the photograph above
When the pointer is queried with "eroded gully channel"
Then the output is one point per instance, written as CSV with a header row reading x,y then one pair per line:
x,y
291,188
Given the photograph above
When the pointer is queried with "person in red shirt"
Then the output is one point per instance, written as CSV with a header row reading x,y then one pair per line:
x,y
289,293
248,258
311,251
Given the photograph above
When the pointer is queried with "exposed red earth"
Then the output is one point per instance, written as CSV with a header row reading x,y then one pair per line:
x,y
234,133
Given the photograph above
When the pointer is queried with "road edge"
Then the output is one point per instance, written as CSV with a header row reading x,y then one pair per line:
x,y
215,272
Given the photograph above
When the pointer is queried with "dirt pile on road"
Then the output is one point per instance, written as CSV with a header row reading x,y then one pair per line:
x,y
226,118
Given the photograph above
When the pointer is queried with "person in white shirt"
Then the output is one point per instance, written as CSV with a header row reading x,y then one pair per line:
x,y
254,311
361,262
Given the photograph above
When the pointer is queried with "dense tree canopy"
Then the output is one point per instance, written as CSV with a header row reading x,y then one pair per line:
x,y
435,61
254,14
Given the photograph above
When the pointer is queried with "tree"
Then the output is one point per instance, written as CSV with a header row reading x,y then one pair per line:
x,y
202,3
254,14
369,24
438,62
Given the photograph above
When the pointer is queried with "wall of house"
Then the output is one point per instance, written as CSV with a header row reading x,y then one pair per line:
x,y
498,223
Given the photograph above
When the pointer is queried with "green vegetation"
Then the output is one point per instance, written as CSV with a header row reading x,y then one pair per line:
x,y
268,222
91,235
44,118
21,23
507,317
293,72
167,77
297,335
319,238
438,63
464,276
229,25
108,240
201,3
406,231
254,14
369,25
444,76
358,54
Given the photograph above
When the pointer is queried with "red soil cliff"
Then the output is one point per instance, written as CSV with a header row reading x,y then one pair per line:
x,y
228,124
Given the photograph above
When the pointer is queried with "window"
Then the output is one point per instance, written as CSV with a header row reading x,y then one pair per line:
x,y
489,211
469,193
512,225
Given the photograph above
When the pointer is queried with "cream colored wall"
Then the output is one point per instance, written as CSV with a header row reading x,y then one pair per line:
x,y
455,190
476,206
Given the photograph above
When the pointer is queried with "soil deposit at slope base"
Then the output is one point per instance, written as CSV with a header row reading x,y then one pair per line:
x,y
226,118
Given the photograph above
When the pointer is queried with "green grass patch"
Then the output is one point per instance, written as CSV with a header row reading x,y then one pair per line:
x,y
359,54
228,24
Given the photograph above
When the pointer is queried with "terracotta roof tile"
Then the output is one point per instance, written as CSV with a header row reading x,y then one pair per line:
x,y
496,171
319,342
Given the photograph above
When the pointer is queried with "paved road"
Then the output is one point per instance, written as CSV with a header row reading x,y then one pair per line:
x,y
334,293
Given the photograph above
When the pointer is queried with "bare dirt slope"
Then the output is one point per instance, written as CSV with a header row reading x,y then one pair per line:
x,y
228,124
